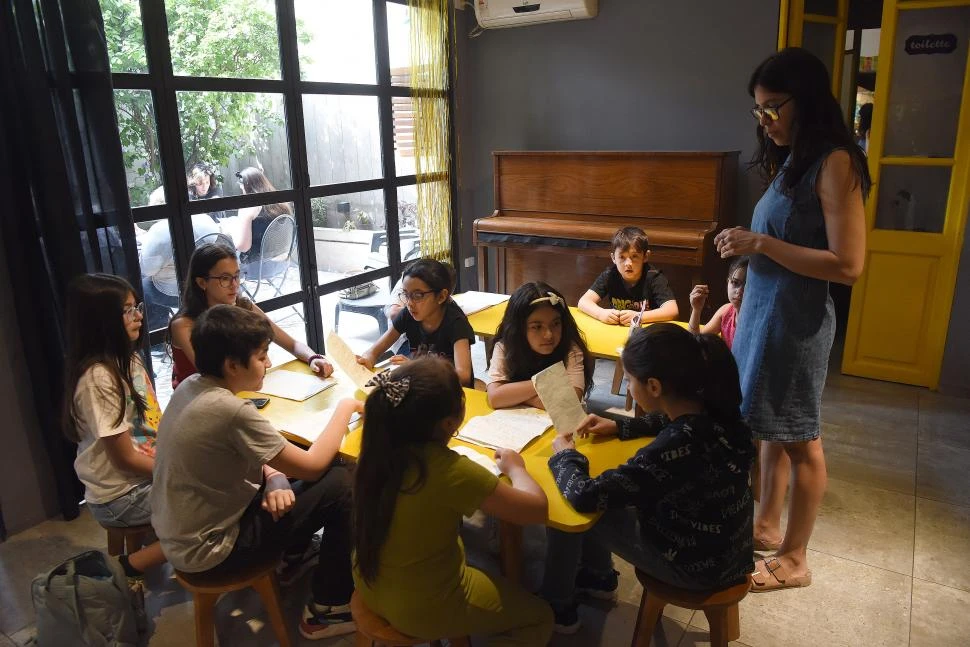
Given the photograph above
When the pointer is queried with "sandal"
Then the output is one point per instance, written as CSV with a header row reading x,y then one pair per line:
x,y
771,575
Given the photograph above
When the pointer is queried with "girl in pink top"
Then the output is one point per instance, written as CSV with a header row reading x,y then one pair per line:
x,y
725,320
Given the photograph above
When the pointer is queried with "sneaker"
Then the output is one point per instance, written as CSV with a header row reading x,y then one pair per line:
x,y
566,619
601,587
321,621
293,567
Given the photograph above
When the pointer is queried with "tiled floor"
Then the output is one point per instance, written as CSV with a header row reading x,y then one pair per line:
x,y
890,553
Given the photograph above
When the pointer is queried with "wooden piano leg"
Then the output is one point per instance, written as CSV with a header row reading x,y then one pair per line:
x,y
483,268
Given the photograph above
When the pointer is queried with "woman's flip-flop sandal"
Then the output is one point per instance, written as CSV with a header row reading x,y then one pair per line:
x,y
771,575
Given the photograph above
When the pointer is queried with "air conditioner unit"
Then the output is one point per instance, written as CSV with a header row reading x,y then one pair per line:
x,y
492,14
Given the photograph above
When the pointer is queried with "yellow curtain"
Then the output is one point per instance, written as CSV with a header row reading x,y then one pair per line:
x,y
429,84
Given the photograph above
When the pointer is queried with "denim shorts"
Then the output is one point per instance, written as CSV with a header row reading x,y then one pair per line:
x,y
130,509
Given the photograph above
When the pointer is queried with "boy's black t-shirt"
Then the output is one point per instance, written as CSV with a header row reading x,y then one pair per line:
x,y
454,326
652,287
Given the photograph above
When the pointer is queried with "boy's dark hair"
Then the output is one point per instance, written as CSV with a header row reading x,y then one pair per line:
x,y
630,238
228,332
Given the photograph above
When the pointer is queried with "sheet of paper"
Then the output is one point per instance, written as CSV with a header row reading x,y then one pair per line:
x,y
477,457
559,397
472,302
339,352
508,428
310,426
294,386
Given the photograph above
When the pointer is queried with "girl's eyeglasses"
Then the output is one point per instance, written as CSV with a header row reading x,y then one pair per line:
x,y
414,297
130,311
226,280
771,112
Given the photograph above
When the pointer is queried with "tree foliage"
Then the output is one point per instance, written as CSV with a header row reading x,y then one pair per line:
x,y
214,38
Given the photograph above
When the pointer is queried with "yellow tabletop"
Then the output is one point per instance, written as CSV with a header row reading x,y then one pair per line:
x,y
603,454
603,340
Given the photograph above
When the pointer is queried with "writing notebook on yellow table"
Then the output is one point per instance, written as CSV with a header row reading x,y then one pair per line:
x,y
294,386
307,428
506,428
339,352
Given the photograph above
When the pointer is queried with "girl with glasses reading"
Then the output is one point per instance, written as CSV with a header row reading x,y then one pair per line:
x,y
432,321
214,278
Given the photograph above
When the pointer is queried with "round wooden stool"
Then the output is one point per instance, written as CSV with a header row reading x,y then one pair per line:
x,y
126,540
207,589
375,631
720,607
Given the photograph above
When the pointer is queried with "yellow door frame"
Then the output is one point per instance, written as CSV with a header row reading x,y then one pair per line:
x,y
791,28
945,246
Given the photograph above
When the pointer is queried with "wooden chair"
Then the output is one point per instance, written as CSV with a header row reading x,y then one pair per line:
x,y
207,589
720,607
126,540
375,631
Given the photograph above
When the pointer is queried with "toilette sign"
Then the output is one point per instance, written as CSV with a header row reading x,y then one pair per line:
x,y
931,44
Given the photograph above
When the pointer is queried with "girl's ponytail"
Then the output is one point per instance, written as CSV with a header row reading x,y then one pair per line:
x,y
721,390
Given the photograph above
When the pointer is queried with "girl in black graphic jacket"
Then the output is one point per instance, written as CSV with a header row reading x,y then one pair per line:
x,y
681,508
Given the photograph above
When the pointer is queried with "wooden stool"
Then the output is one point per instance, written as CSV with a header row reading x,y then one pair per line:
x,y
126,540
375,631
720,607
206,591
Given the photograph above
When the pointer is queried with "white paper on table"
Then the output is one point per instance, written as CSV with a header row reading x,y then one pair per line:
x,y
559,397
506,428
339,352
477,457
472,302
294,386
310,426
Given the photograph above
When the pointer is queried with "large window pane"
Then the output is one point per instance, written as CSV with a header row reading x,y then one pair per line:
x,y
227,38
139,146
336,41
405,151
292,320
159,279
349,235
234,131
407,222
359,321
912,198
124,35
266,239
399,43
343,138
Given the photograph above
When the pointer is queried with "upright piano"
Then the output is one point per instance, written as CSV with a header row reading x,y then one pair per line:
x,y
556,212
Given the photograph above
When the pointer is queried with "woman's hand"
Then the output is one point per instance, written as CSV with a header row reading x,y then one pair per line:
x,y
698,297
597,426
321,367
508,461
563,442
737,241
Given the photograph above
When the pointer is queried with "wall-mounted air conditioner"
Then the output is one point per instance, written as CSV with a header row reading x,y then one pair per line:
x,y
493,14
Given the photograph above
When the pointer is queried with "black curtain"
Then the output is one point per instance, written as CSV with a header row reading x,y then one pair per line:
x,y
62,175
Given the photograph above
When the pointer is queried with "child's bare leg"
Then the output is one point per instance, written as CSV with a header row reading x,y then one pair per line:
x,y
147,557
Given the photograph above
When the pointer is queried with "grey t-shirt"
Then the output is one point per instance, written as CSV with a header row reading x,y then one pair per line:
x,y
207,471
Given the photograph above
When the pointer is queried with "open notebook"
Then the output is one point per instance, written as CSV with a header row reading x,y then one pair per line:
x,y
294,386
506,428
309,427
477,457
472,302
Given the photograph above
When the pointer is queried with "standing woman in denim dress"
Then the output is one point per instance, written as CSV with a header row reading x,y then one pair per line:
x,y
807,230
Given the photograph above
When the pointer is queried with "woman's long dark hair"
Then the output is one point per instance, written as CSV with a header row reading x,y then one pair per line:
x,y
818,126
694,367
255,181
521,362
96,334
390,447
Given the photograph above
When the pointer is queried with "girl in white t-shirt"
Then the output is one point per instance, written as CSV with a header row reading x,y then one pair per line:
x,y
110,407
537,331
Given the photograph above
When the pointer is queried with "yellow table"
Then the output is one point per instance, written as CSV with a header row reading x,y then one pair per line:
x,y
603,454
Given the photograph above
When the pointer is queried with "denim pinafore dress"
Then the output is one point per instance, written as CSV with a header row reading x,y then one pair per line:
x,y
787,321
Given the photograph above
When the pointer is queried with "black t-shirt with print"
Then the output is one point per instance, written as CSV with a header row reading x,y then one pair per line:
x,y
652,287
454,326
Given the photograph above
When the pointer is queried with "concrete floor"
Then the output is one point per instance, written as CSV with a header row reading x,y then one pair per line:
x,y
890,553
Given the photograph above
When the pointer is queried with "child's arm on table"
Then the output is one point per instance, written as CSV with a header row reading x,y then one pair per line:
x,y
589,304
463,361
521,503
502,395
310,464
666,312
369,357
627,429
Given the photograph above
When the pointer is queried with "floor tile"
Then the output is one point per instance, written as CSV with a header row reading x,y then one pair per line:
x,y
944,419
942,551
866,524
607,626
6,642
940,616
630,591
697,637
848,604
25,636
941,473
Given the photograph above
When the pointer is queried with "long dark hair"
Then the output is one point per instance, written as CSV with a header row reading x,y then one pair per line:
x,y
203,259
694,367
96,334
390,447
521,361
439,276
255,181
818,126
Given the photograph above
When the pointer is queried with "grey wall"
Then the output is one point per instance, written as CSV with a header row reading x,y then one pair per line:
x,y
640,76
955,375
27,491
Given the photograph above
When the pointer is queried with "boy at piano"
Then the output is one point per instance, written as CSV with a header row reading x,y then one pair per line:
x,y
631,287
